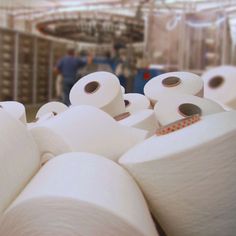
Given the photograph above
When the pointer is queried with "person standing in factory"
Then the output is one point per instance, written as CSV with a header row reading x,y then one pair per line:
x,y
122,70
68,66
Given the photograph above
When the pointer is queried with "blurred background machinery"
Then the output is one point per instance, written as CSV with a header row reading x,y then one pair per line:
x,y
153,36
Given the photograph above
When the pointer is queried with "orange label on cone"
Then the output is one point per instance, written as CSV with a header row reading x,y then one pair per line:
x,y
172,127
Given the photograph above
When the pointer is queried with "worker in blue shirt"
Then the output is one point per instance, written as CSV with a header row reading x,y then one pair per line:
x,y
68,66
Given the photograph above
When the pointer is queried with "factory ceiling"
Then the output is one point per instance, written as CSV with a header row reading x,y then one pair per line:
x,y
88,20
33,9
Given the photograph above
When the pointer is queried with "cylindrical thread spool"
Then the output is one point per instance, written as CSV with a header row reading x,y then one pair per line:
x,y
189,109
92,87
171,81
216,82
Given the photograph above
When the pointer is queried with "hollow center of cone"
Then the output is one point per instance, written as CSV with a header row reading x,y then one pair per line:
x,y
189,109
92,87
171,81
216,82
54,113
127,102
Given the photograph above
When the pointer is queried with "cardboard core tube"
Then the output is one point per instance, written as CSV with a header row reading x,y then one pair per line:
x,y
189,109
171,81
122,116
92,87
127,103
177,125
216,82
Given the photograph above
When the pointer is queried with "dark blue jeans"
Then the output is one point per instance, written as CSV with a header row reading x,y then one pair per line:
x,y
67,85
123,81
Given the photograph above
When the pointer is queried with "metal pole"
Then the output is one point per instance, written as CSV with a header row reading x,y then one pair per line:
x,y
16,66
35,70
224,43
50,86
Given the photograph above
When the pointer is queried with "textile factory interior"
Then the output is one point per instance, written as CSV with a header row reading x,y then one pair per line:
x,y
117,117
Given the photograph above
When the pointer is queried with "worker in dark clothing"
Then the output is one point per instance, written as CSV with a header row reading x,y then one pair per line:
x,y
68,67
94,64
